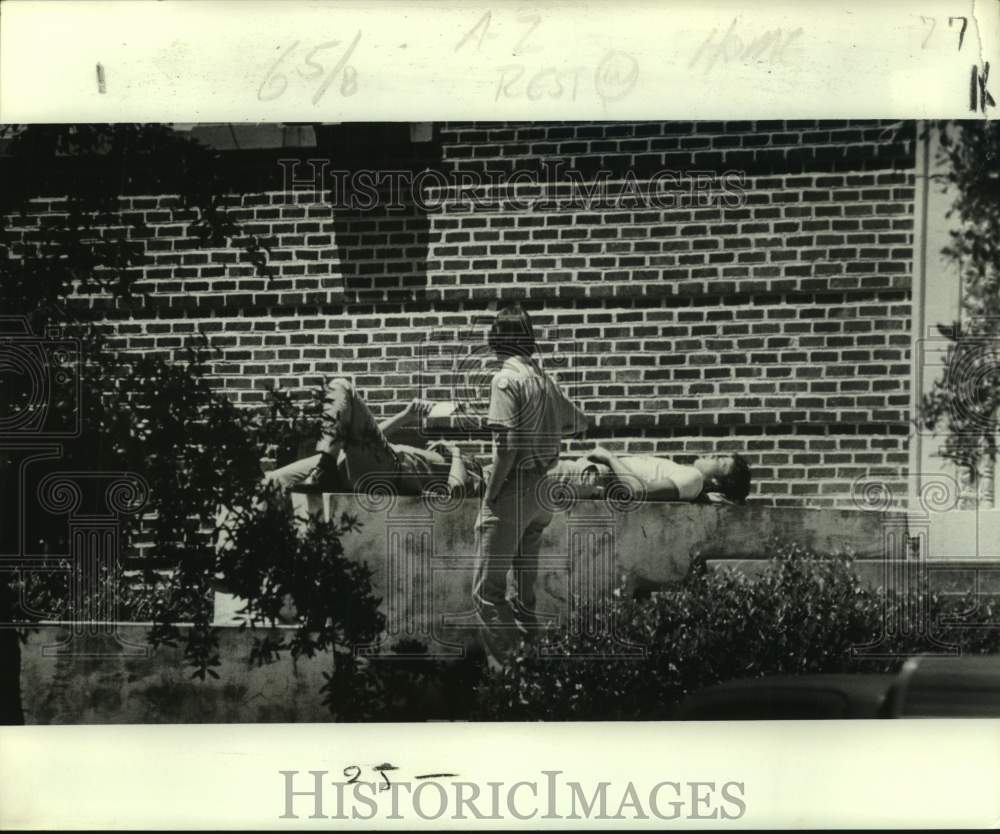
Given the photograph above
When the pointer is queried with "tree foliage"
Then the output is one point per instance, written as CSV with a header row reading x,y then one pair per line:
x,y
156,414
91,243
965,399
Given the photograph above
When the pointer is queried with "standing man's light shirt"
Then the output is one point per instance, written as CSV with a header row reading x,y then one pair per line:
x,y
525,400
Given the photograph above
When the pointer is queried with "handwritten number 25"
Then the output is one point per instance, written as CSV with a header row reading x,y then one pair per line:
x,y
353,773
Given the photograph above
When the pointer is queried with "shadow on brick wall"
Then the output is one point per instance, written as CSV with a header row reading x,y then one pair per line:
x,y
382,229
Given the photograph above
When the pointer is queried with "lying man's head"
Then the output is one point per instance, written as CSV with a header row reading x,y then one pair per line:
x,y
726,474
593,481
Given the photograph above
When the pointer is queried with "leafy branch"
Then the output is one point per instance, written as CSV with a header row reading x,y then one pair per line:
x,y
965,400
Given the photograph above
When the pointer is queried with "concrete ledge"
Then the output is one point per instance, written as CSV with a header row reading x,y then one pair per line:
x,y
657,538
98,680
422,551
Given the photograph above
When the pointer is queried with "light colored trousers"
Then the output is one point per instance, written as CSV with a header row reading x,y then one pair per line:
x,y
348,423
509,537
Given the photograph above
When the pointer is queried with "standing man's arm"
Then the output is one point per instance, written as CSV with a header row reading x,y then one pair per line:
x,y
503,463
504,418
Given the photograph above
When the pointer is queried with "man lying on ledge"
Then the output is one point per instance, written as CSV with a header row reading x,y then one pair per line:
x,y
720,478
354,452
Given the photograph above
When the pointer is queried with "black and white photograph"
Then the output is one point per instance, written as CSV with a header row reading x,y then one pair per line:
x,y
597,420
560,421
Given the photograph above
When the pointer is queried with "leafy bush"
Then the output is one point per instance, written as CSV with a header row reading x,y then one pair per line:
x,y
406,687
270,563
198,453
800,614
964,401
193,450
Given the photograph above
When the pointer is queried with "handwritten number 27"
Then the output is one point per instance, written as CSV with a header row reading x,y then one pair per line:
x,y
932,22
961,32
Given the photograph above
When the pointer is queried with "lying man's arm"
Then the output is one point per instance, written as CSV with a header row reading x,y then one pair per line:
x,y
661,489
457,473
413,411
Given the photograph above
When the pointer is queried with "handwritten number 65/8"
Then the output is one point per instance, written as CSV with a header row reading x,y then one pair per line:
x,y
311,68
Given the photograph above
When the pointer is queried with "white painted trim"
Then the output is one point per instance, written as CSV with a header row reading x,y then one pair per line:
x,y
918,301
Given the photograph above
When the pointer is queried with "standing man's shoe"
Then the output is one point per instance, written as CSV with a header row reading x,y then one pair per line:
x,y
530,620
500,633
499,617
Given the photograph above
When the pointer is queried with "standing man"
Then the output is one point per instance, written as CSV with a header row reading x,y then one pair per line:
x,y
529,415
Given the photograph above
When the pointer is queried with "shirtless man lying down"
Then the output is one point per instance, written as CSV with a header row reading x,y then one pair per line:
x,y
718,477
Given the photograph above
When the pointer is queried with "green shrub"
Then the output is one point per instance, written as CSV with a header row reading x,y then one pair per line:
x,y
405,688
799,614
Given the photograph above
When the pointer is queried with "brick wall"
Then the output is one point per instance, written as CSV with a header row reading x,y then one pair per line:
x,y
773,319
